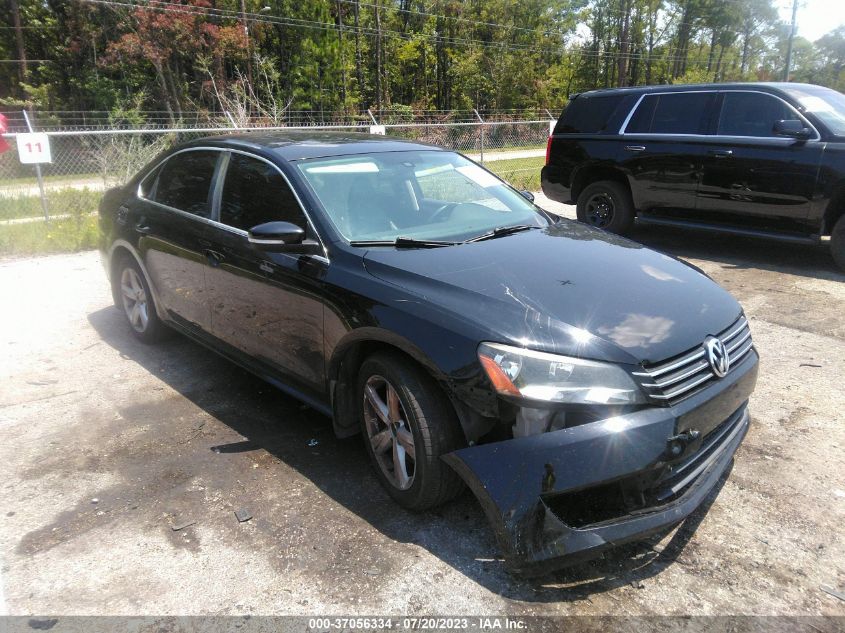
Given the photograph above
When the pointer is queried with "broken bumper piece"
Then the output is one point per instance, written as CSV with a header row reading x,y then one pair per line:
x,y
565,496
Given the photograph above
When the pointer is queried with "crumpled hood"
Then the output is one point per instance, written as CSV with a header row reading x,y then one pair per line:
x,y
567,289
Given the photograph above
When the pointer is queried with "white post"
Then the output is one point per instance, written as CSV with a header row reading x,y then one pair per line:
x,y
38,173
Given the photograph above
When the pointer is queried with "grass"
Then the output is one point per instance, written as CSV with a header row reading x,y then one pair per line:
x,y
79,233
52,179
521,173
73,227
59,202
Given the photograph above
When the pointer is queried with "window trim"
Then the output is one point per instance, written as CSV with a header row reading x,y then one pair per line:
x,y
216,193
623,130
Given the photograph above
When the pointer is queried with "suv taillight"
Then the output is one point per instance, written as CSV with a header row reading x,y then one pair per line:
x,y
548,149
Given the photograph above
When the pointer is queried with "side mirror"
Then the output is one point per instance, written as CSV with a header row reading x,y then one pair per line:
x,y
282,237
527,195
792,128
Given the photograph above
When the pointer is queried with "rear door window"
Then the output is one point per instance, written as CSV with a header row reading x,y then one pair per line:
x,y
184,182
677,113
255,192
752,114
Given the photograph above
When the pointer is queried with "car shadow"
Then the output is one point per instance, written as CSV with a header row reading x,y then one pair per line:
x,y
737,252
457,533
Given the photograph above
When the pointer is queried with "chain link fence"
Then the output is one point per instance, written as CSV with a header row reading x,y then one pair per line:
x,y
87,162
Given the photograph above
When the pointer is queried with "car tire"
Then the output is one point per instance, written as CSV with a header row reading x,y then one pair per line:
x,y
606,205
134,299
421,414
837,242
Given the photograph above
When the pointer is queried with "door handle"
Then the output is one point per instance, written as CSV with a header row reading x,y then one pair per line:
x,y
635,148
721,153
142,227
214,258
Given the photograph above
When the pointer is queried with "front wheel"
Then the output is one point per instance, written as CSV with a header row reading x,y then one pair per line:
x,y
606,205
837,242
408,424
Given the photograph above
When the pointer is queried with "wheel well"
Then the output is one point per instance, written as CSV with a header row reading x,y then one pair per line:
x,y
589,175
343,377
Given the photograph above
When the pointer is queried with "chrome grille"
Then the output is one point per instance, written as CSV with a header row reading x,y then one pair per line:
x,y
677,378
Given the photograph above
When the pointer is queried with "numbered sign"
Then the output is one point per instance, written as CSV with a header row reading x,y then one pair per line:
x,y
34,148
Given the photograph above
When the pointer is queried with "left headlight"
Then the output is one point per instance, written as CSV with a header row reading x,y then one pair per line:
x,y
548,377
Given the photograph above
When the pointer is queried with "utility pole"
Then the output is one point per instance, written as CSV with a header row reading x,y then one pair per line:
x,y
248,46
789,44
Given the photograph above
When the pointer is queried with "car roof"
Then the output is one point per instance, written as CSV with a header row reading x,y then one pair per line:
x,y
767,86
302,144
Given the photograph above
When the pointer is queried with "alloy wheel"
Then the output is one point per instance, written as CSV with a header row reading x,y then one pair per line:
x,y
600,210
134,299
389,432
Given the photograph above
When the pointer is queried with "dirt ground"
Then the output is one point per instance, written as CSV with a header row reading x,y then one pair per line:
x,y
108,444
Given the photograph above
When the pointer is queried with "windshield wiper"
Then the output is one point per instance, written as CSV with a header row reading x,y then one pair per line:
x,y
501,231
404,242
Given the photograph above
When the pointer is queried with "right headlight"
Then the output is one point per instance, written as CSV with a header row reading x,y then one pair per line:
x,y
548,377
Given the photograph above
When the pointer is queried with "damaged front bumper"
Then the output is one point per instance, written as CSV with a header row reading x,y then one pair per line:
x,y
561,497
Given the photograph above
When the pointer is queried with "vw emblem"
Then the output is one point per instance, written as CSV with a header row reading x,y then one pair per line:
x,y
717,356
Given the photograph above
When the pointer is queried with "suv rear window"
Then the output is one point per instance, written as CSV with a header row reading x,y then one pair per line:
x,y
679,113
587,115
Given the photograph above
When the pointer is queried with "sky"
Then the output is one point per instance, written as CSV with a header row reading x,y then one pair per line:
x,y
815,17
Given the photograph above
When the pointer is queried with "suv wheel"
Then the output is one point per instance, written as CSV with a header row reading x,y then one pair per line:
x,y
137,304
606,205
408,424
837,242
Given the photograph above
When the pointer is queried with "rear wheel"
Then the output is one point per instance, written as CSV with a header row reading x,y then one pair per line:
x,y
837,243
606,205
408,424
136,300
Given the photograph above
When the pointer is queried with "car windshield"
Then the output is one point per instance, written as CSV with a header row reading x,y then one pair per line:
x,y
420,195
828,105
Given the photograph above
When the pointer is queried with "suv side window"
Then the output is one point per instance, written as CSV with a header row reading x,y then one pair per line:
x,y
587,115
255,192
752,114
676,113
184,182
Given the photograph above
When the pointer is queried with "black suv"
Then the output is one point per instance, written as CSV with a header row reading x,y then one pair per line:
x,y
762,159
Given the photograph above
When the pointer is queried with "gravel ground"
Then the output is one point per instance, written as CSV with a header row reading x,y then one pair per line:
x,y
107,445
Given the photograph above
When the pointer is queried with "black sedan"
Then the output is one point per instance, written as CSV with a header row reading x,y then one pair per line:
x,y
588,390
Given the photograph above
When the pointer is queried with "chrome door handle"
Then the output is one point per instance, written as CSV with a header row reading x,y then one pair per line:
x,y
141,227
721,153
635,148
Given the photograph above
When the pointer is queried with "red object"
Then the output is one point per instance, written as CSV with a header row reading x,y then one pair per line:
x,y
3,127
548,148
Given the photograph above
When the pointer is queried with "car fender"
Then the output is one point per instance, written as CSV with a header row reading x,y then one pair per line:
x,y
466,388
